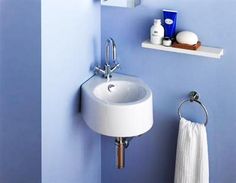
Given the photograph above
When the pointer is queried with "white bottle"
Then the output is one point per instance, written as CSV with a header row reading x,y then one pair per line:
x,y
157,32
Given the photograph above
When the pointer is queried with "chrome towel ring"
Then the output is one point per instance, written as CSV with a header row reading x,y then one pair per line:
x,y
194,97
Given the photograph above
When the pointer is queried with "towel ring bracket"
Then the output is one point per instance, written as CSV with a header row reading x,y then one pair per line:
x,y
194,97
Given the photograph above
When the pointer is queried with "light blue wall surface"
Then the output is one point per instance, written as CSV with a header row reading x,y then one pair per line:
x,y
20,108
70,45
151,158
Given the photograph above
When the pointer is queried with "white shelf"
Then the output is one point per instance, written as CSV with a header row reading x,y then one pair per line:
x,y
201,51
121,3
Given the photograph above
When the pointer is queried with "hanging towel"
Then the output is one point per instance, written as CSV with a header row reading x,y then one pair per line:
x,y
192,164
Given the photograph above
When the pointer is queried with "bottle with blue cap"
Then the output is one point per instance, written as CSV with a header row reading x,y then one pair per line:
x,y
157,32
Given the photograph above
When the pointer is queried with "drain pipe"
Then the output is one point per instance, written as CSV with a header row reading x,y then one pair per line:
x,y
121,144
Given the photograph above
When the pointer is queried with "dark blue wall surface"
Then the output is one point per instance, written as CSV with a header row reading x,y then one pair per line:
x,y
151,158
20,108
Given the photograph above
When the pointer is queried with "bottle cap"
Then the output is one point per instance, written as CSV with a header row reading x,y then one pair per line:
x,y
167,41
157,21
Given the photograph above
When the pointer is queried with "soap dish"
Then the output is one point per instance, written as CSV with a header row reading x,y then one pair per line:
x,y
186,46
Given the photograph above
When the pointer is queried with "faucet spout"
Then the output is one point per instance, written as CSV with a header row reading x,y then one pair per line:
x,y
109,67
110,44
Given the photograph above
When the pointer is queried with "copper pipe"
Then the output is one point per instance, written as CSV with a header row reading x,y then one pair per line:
x,y
120,152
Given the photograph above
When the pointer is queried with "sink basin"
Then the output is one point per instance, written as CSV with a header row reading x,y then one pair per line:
x,y
121,107
122,92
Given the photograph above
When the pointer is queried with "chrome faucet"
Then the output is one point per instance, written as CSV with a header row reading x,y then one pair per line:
x,y
109,68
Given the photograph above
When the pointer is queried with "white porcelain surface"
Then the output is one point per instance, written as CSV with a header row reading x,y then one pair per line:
x,y
121,107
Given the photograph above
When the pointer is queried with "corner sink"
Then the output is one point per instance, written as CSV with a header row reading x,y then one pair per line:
x,y
121,107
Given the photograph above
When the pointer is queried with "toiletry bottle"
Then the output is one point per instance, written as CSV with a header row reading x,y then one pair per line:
x,y
170,18
157,32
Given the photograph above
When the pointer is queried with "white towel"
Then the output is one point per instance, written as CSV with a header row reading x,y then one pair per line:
x,y
192,164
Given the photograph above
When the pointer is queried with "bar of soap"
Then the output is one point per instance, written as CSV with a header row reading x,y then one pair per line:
x,y
187,37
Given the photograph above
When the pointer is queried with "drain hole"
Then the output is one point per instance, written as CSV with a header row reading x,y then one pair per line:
x,y
110,87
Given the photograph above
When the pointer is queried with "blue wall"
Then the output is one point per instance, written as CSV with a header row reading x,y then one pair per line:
x,y
20,84
151,158
70,45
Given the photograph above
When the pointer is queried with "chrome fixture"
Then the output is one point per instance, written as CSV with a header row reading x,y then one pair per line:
x,y
109,68
194,97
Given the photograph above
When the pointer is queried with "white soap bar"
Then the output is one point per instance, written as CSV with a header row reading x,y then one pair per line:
x,y
187,37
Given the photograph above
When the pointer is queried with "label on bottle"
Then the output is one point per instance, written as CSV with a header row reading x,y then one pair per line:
x,y
169,21
156,39
157,33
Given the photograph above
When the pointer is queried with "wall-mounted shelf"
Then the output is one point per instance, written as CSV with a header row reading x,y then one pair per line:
x,y
201,51
121,3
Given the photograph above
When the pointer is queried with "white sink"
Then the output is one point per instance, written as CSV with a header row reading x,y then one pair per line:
x,y
121,107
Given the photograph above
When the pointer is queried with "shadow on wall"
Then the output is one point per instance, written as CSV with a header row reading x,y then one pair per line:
x,y
85,144
97,59
161,140
95,62
145,151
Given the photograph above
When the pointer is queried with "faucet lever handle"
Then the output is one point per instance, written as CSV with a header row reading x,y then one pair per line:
x,y
98,70
117,66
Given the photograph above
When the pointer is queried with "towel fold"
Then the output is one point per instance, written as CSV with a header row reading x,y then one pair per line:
x,y
192,164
